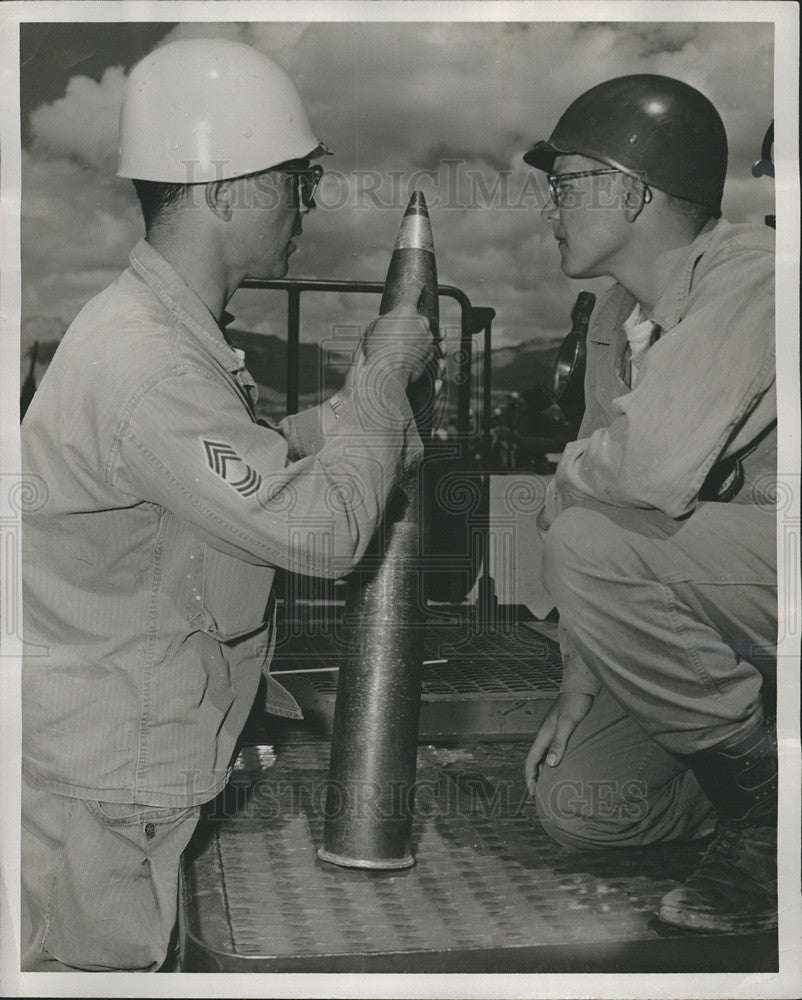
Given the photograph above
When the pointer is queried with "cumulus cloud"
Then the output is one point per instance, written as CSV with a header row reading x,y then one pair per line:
x,y
78,225
464,100
82,125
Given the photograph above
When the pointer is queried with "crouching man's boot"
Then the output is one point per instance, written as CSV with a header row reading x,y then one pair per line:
x,y
735,886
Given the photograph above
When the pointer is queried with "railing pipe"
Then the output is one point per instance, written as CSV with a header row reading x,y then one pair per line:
x,y
473,320
295,286
293,346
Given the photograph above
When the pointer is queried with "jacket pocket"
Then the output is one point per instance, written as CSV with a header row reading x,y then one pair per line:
x,y
228,598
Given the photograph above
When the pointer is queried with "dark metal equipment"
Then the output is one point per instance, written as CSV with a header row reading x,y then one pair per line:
x,y
373,747
457,563
29,385
568,374
765,167
481,682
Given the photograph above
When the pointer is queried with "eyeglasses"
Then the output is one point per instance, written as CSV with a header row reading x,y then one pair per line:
x,y
308,180
559,194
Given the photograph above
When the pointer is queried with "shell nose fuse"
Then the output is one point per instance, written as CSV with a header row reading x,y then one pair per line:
x,y
369,802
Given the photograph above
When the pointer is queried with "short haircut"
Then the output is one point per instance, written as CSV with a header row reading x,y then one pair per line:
x,y
155,197
696,215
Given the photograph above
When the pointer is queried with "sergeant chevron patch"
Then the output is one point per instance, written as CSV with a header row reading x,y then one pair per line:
x,y
226,463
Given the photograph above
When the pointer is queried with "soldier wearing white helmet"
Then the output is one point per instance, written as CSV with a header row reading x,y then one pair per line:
x,y
149,567
660,545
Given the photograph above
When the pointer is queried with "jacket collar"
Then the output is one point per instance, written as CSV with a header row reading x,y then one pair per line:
x,y
183,303
669,308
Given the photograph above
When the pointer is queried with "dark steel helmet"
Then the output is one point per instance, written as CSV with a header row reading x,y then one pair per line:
x,y
659,128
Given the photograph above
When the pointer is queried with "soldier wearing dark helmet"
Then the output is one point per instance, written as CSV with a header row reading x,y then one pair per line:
x,y
660,527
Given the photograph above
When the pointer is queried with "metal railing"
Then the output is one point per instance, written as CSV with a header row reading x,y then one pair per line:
x,y
473,320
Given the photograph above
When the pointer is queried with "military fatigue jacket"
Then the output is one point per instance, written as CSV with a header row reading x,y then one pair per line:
x,y
148,570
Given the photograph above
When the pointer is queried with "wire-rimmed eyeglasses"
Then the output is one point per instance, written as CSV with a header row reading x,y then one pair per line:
x,y
308,180
559,194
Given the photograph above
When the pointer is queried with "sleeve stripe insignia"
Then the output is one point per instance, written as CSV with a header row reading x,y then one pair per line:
x,y
226,463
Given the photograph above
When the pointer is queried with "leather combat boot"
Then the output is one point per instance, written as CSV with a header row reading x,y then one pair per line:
x,y
734,889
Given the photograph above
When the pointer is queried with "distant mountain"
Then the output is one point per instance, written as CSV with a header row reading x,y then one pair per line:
x,y
321,372
514,369
266,358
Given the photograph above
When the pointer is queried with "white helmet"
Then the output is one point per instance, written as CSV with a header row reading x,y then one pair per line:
x,y
207,109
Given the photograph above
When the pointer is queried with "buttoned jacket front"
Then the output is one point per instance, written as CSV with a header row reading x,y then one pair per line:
x,y
148,567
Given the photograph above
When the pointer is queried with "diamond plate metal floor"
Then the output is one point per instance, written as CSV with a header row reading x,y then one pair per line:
x,y
490,892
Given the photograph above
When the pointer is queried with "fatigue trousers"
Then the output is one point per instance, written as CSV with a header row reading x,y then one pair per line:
x,y
677,622
99,882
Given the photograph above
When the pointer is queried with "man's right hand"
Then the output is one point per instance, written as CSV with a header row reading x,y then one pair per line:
x,y
568,710
401,341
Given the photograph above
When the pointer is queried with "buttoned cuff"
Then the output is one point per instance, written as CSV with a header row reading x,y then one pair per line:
x,y
373,406
302,433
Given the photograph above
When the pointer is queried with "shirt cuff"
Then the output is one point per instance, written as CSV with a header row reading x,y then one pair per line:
x,y
302,433
373,401
374,405
577,678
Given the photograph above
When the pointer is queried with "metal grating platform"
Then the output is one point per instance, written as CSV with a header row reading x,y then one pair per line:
x,y
501,662
496,682
490,892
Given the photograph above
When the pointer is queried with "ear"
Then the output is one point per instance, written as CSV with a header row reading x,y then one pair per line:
x,y
637,196
220,199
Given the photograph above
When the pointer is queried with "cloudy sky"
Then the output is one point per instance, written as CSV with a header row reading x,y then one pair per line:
x,y
457,103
